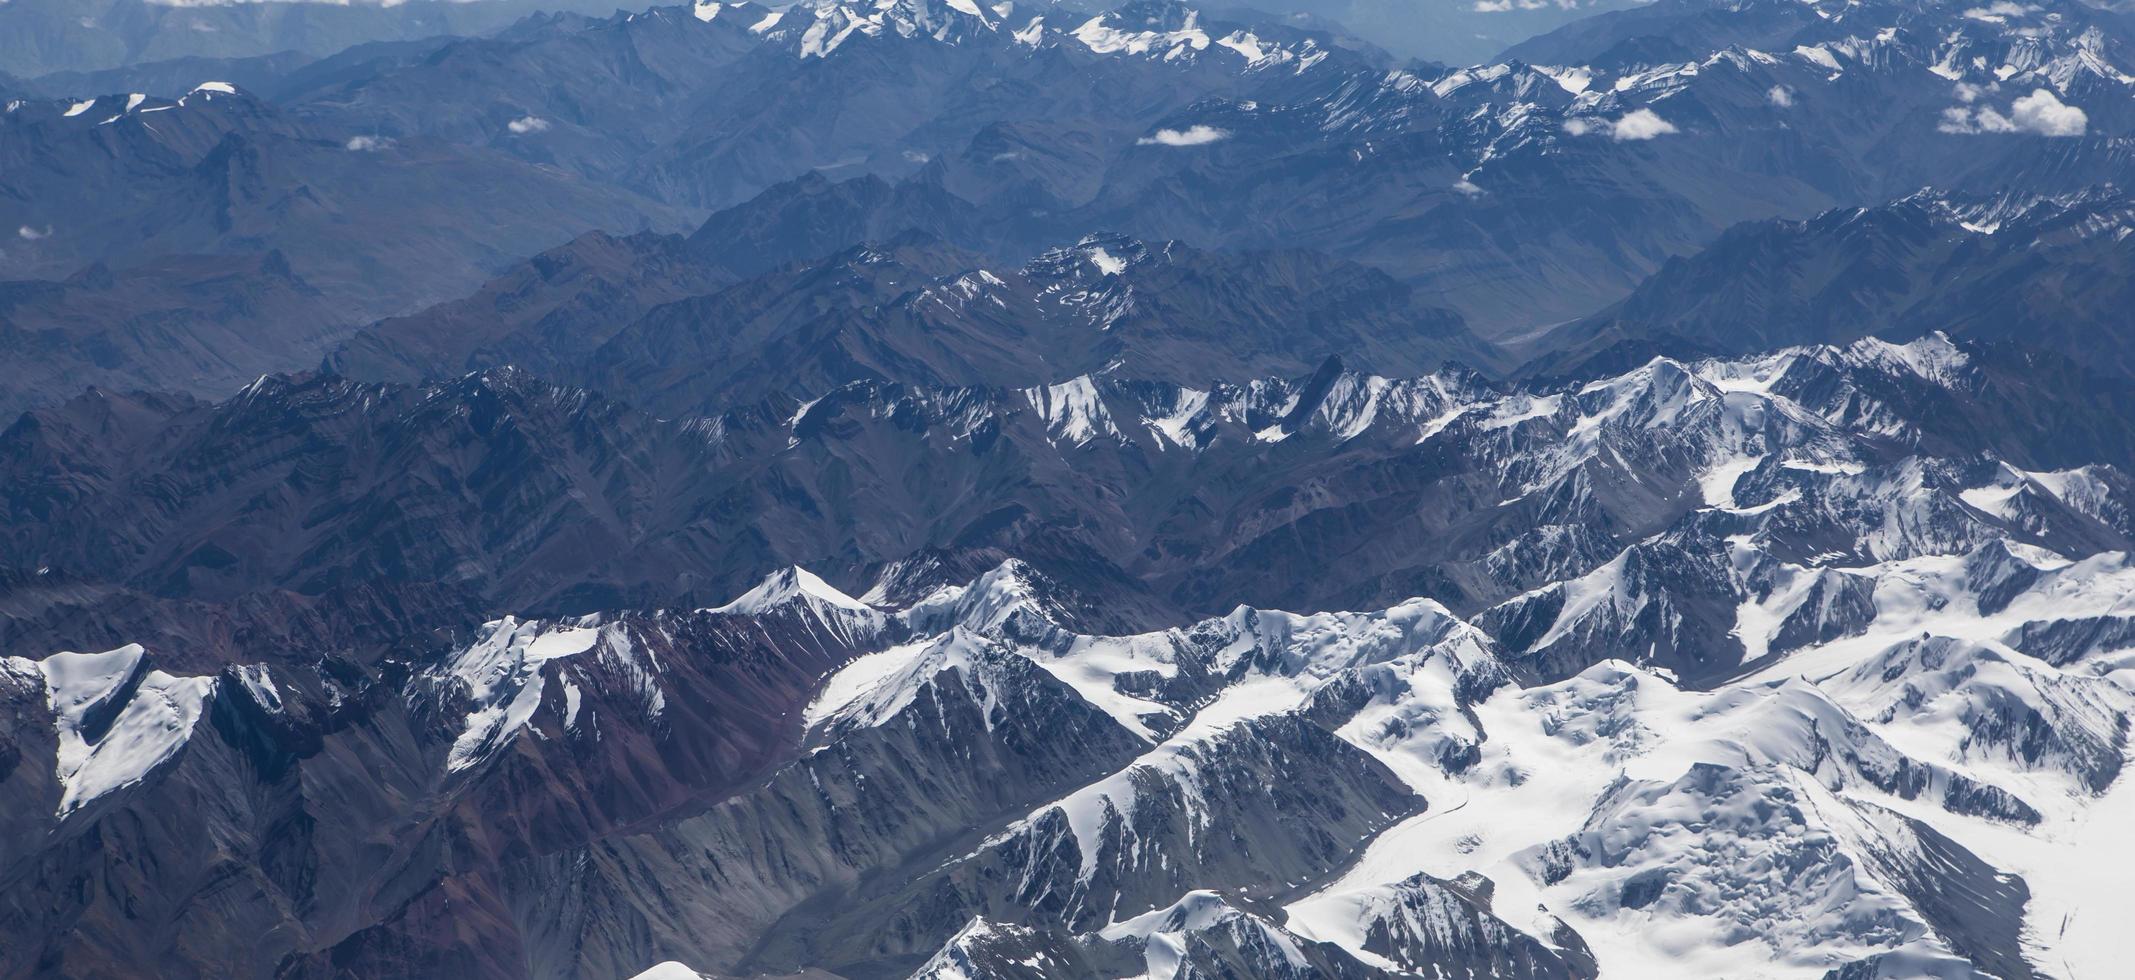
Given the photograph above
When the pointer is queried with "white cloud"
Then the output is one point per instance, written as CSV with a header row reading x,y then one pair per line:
x,y
1963,120
2000,11
1502,6
528,124
30,234
2044,113
1638,124
1780,96
1468,187
2041,112
368,144
1190,136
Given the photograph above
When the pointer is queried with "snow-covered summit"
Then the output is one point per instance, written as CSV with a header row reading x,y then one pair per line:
x,y
789,585
1165,32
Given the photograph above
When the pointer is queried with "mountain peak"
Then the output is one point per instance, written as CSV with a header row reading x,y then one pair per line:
x,y
1096,256
789,585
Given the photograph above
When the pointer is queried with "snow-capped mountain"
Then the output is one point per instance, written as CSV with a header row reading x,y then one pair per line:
x,y
1842,706
1155,30
1191,496
1791,663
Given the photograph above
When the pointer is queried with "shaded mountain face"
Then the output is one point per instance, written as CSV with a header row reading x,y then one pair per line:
x,y
204,325
547,314
2045,271
644,316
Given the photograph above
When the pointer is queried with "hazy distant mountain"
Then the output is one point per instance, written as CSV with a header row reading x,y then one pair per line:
x,y
39,37
374,225
1521,195
2047,272
1454,32
708,105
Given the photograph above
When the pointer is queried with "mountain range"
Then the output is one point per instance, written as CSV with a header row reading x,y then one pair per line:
x,y
943,771
1519,197
935,489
